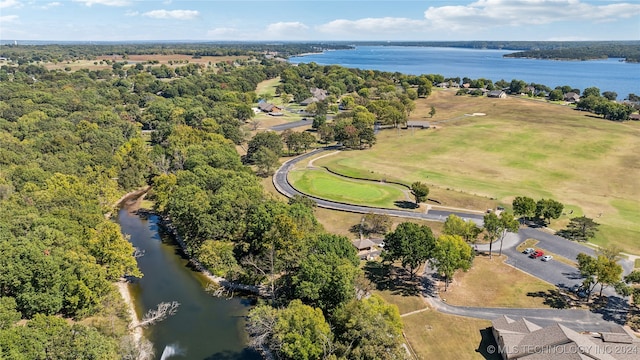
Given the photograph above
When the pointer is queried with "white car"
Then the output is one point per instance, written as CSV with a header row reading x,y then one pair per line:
x,y
547,258
528,251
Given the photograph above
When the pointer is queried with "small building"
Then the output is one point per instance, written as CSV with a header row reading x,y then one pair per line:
x,y
365,248
268,108
571,97
417,124
500,94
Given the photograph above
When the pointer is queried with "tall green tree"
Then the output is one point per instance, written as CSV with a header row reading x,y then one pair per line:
x,y
411,243
598,271
580,228
297,332
420,191
496,228
451,253
267,139
455,225
548,209
369,329
524,206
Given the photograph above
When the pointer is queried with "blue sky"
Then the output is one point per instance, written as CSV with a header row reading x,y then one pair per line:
x,y
319,20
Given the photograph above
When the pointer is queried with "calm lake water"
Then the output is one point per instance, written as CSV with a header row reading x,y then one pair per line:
x,y
607,75
204,327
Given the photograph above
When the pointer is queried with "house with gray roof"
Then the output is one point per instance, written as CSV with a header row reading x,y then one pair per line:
x,y
497,94
523,340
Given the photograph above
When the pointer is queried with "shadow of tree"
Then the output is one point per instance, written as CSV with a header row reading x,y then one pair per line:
x,y
553,298
488,347
245,354
403,204
392,278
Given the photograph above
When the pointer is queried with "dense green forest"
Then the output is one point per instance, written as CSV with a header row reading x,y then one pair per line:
x,y
73,143
630,53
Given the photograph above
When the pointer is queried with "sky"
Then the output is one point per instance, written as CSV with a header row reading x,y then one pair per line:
x,y
319,20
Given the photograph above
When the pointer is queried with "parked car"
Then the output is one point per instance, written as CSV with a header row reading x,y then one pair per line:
x,y
580,291
547,258
536,254
528,251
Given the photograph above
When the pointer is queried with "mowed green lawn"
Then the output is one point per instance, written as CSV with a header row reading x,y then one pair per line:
x,y
520,148
327,186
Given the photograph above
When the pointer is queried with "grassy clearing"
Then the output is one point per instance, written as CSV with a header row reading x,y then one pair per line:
x,y
492,283
637,263
327,186
405,304
340,222
520,148
433,335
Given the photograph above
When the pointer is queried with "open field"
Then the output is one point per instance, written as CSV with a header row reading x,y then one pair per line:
x,y
176,59
434,335
492,283
520,148
325,185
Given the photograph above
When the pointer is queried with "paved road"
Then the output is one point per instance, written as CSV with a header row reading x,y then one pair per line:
x,y
554,272
291,125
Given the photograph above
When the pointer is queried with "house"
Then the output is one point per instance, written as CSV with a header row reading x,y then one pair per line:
x,y
268,108
316,95
364,248
571,97
497,94
522,339
319,94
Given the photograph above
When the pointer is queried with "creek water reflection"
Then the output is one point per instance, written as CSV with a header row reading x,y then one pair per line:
x,y
204,327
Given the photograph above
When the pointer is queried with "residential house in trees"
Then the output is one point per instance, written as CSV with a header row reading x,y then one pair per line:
x,y
571,97
269,108
500,94
317,94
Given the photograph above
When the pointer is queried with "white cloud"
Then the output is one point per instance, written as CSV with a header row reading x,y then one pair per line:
x,y
222,33
371,26
4,4
131,13
50,5
492,13
105,2
172,14
285,28
8,19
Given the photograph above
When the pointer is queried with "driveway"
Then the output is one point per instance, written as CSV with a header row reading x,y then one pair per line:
x,y
291,125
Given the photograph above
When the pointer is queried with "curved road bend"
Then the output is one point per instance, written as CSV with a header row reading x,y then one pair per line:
x,y
283,186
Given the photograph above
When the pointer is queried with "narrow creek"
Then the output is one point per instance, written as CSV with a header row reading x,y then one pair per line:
x,y
205,327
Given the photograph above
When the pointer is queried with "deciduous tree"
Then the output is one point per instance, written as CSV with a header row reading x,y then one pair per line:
x,y
411,243
451,253
420,191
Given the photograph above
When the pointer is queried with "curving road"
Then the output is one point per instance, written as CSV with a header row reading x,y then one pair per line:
x,y
281,183
554,272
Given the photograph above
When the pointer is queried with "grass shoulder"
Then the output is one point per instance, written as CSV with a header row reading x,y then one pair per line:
x,y
492,283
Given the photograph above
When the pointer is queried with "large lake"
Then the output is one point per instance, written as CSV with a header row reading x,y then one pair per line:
x,y
607,75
